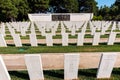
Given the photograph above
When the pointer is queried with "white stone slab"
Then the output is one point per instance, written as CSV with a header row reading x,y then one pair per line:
x,y
49,40
111,39
2,29
106,65
80,39
17,40
63,31
2,41
43,31
71,64
33,40
93,30
32,28
96,38
34,66
12,31
73,31
65,39
84,27
23,33
103,30
4,75
53,31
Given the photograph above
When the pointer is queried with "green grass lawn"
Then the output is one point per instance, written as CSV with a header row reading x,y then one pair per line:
x,y
42,48
83,74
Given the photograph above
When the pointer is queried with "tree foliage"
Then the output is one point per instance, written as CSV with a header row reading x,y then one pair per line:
x,y
8,11
38,6
110,13
12,10
71,6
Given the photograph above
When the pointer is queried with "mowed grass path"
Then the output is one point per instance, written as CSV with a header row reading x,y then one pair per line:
x,y
58,49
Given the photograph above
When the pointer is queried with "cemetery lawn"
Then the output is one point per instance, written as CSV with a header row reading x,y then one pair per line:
x,y
58,48
84,74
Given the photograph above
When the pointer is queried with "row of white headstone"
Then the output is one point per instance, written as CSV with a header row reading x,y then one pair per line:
x,y
21,27
100,26
52,26
71,66
65,39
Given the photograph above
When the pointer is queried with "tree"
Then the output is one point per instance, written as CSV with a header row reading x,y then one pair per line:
x,y
71,6
64,6
39,6
23,8
56,6
8,12
88,6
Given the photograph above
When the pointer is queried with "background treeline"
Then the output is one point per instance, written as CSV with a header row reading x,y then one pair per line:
x,y
17,10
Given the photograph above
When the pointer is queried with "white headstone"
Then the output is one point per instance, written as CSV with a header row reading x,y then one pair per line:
x,y
43,31
49,40
73,31
63,31
33,40
106,65
65,39
34,66
12,31
96,38
2,41
103,30
23,33
4,75
53,31
2,29
80,39
93,30
71,65
17,40
111,38
32,28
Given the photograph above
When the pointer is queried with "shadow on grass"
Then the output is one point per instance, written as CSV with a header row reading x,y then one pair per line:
x,y
87,73
42,45
26,44
103,43
116,71
55,73
11,45
21,74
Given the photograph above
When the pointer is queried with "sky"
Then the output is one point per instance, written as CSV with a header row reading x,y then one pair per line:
x,y
105,2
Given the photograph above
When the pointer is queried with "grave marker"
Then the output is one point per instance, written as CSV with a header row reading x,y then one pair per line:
x,y
65,39
34,66
49,40
80,39
4,75
33,40
106,65
96,38
71,64
111,39
17,40
2,41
